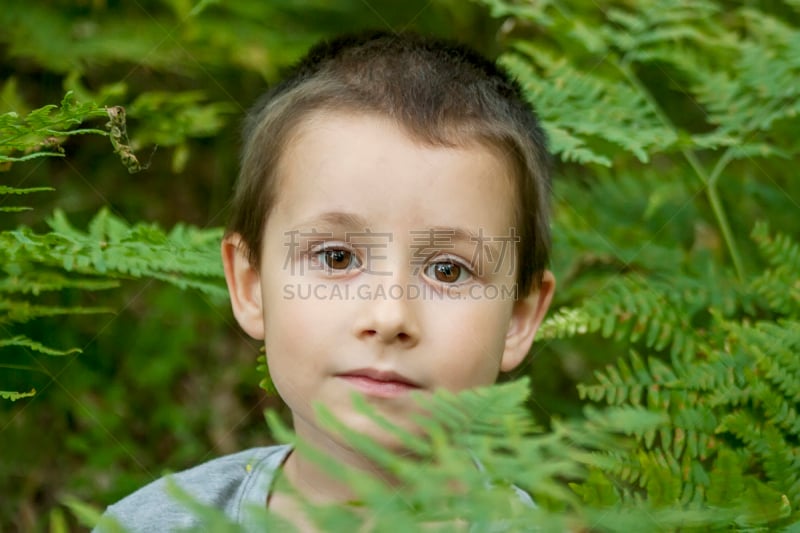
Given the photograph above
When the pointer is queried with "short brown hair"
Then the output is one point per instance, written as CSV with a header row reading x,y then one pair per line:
x,y
441,93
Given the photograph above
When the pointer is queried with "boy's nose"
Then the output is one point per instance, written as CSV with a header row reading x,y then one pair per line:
x,y
388,315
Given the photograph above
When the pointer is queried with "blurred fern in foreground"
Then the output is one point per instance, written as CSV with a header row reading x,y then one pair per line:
x,y
480,450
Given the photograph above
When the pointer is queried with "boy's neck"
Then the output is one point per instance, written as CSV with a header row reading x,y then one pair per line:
x,y
312,483
317,486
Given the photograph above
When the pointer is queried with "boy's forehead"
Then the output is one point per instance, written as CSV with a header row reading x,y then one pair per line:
x,y
329,124
335,160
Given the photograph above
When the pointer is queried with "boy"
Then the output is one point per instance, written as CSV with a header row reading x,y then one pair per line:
x,y
389,234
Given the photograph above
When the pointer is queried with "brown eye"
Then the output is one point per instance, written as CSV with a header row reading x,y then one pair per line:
x,y
338,259
446,272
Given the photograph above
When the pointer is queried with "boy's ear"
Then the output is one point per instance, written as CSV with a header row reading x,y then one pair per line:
x,y
244,286
526,317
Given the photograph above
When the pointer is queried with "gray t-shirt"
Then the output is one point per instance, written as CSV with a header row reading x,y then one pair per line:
x,y
231,484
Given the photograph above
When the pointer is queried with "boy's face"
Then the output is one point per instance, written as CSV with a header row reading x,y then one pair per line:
x,y
387,266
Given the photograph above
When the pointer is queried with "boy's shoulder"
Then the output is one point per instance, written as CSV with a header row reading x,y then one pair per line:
x,y
229,484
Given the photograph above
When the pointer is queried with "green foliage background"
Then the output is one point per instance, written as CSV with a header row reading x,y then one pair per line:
x,y
677,222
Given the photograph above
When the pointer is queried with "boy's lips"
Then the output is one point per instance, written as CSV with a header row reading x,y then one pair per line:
x,y
382,383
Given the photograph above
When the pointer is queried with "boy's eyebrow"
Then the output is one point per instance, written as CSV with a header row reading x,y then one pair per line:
x,y
459,234
336,219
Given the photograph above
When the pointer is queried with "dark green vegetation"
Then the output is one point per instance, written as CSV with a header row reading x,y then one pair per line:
x,y
677,223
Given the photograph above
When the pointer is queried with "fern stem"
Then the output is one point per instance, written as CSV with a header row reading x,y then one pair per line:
x,y
720,166
719,211
708,181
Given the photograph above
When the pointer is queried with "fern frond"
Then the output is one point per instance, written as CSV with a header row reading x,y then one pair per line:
x,y
779,249
16,395
525,11
5,189
16,311
624,384
656,23
475,411
727,482
583,108
761,88
37,282
171,117
188,258
662,476
626,419
779,290
22,341
629,310
19,191
779,459
778,286
779,411
775,347
38,134
718,373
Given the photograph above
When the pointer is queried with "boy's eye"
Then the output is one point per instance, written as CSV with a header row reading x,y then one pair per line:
x,y
447,272
338,259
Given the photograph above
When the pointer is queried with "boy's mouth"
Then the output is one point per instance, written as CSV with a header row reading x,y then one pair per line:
x,y
384,384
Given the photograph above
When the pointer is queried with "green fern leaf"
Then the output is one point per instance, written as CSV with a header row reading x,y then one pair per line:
x,y
22,311
4,189
112,248
567,97
37,134
36,282
631,311
25,342
16,395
